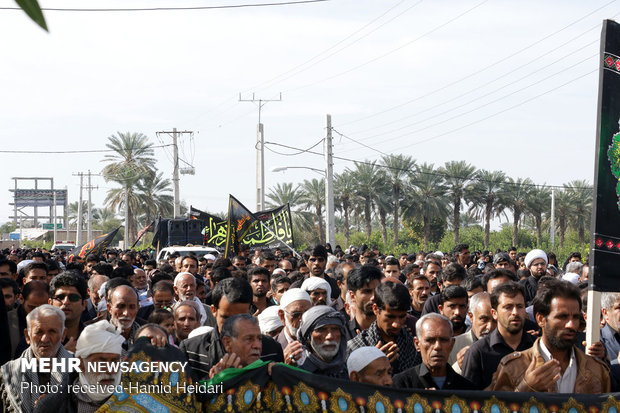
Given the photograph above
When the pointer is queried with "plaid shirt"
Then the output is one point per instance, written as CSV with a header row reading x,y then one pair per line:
x,y
407,354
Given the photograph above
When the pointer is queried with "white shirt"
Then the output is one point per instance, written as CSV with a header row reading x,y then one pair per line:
x,y
566,383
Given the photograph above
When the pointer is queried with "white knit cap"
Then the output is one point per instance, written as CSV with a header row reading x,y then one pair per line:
x,y
363,356
268,319
100,337
533,255
292,295
571,277
312,283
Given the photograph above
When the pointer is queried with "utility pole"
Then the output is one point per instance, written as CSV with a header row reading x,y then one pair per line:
x,y
90,207
260,151
330,235
78,232
55,232
175,172
552,217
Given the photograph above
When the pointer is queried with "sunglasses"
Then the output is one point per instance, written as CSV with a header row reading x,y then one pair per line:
x,y
74,298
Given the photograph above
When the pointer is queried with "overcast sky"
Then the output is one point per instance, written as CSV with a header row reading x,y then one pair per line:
x,y
505,85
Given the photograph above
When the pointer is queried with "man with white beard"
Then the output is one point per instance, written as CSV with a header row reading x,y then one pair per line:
x,y
323,336
293,304
45,326
185,290
123,308
99,342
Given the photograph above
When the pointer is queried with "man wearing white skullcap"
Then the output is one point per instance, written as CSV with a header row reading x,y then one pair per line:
x,y
293,304
269,321
370,365
320,291
98,342
536,262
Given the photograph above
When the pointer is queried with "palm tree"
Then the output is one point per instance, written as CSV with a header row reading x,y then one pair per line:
x,y
73,214
516,197
564,211
398,168
580,193
155,196
132,160
286,193
344,197
365,177
383,201
538,203
427,200
458,177
314,197
487,199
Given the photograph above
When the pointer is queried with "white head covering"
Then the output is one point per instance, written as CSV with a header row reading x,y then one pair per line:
x,y
312,283
363,356
268,319
292,295
533,255
181,275
439,253
209,257
279,271
199,331
100,337
22,264
571,277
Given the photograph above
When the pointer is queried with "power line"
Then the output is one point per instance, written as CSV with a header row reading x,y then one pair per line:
x,y
232,6
70,152
393,50
477,72
294,71
561,71
374,163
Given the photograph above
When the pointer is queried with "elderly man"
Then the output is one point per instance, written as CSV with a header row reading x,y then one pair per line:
x,y
94,284
482,323
231,296
185,289
573,272
45,326
319,290
293,304
369,365
242,342
123,309
536,262
323,336
388,332
554,363
99,342
186,319
434,341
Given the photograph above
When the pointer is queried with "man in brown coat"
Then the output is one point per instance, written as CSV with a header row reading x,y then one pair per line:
x,y
554,364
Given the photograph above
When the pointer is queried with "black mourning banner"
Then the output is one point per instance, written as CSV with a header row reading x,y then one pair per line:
x,y
215,229
274,228
240,221
605,239
94,246
289,389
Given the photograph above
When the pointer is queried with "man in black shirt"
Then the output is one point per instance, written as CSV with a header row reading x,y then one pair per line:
x,y
483,357
434,342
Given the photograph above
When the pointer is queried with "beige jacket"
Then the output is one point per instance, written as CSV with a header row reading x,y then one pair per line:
x,y
592,374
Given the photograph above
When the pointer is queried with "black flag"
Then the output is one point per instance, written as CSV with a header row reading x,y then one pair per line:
x,y
605,238
94,246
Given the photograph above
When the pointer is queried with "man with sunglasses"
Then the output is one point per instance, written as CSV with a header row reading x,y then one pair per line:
x,y
69,291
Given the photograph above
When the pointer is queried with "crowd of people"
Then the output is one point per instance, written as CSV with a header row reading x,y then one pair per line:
x,y
509,320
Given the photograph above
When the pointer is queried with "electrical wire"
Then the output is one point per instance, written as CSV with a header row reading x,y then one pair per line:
x,y
477,72
231,6
435,173
70,152
393,50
